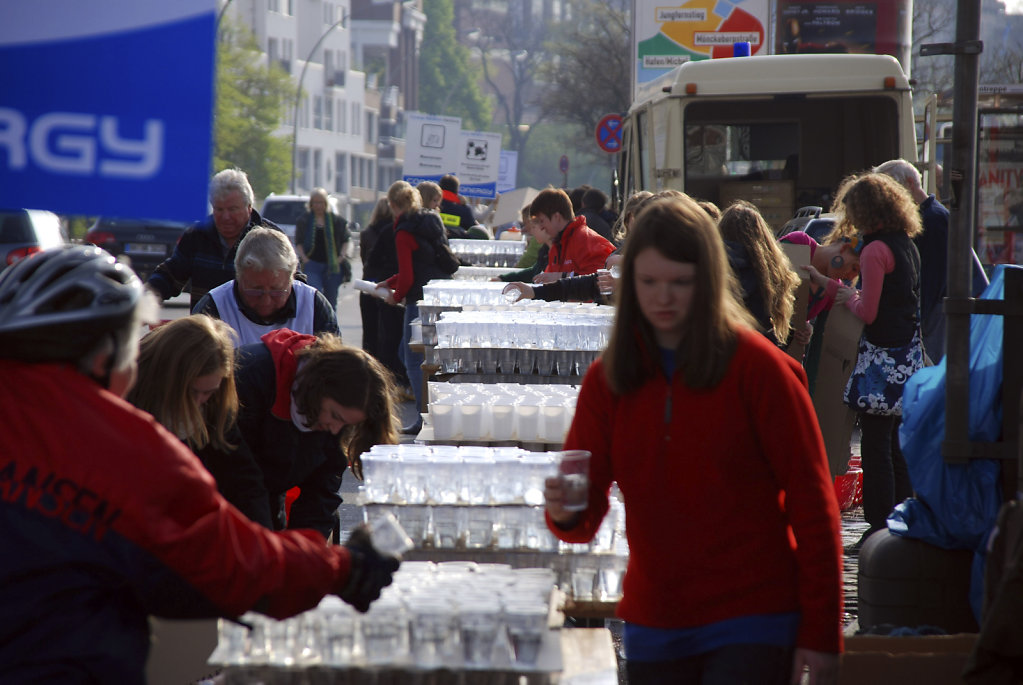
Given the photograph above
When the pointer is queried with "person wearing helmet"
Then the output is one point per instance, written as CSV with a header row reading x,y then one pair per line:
x,y
106,517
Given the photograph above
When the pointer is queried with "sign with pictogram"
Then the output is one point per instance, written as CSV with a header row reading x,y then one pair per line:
x,y
609,133
563,164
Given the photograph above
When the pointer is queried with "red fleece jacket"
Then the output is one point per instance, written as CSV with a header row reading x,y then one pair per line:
x,y
730,505
578,250
283,344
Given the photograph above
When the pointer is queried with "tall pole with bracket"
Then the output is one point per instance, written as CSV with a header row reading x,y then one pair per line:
x,y
298,97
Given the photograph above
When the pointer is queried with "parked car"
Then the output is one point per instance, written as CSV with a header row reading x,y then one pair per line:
x,y
819,228
24,232
284,210
803,216
141,243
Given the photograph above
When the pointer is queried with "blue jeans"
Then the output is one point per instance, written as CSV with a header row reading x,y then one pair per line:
x,y
316,273
728,665
413,360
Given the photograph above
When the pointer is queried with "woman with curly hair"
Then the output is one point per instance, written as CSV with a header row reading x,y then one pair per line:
x,y
186,381
891,347
768,282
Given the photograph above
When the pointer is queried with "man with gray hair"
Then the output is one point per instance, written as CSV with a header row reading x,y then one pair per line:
x,y
204,256
933,247
264,295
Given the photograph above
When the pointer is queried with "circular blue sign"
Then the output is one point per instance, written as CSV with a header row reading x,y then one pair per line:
x,y
609,133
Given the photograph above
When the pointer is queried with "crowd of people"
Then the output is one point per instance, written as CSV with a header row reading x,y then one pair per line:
x,y
212,487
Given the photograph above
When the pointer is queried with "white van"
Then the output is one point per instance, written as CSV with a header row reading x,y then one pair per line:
x,y
285,210
780,131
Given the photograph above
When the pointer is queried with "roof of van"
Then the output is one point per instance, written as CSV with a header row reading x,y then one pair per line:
x,y
777,74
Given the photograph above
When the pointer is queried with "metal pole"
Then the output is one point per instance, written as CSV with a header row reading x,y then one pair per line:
x,y
960,239
298,98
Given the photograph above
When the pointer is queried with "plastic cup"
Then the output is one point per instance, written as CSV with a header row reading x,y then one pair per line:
x,y
574,472
388,537
604,290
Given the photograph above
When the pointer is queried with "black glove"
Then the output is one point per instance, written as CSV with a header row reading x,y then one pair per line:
x,y
368,571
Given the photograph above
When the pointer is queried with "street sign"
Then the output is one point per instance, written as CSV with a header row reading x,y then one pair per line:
x,y
609,133
563,164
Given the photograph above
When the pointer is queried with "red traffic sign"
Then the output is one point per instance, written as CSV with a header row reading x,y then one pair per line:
x,y
609,133
563,164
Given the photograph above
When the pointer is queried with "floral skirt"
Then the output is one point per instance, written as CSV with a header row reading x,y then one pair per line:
x,y
875,386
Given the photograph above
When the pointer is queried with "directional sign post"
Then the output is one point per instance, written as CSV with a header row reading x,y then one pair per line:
x,y
609,133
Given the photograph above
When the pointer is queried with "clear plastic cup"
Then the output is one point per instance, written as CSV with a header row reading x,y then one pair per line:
x,y
527,626
388,537
574,472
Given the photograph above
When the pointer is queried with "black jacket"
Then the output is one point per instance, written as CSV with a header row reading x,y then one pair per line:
x,y
426,227
201,260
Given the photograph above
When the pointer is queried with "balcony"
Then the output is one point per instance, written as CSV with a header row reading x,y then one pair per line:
x,y
335,79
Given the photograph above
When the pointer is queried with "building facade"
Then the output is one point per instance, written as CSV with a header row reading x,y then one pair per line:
x,y
353,64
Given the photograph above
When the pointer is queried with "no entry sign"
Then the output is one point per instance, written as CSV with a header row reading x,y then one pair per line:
x,y
609,133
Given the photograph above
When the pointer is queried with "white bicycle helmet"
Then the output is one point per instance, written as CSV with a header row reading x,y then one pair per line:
x,y
57,304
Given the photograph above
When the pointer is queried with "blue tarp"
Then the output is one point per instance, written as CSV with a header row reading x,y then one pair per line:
x,y
956,505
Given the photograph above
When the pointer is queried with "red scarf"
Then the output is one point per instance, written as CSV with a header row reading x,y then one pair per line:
x,y
450,197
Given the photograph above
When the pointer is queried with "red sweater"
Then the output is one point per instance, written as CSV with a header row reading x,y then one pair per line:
x,y
719,486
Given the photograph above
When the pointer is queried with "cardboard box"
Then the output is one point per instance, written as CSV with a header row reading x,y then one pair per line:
x,y
883,660
838,357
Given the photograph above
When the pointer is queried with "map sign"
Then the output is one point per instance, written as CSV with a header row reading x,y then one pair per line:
x,y
665,35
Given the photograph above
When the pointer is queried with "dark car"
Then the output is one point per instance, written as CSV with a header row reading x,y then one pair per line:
x,y
141,243
819,228
24,232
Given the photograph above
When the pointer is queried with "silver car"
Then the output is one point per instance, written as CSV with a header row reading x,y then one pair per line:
x,y
24,232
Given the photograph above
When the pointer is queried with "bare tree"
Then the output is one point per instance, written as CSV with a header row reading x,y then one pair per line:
x,y
511,49
588,74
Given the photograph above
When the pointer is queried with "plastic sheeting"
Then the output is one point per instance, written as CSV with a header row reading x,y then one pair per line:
x,y
956,505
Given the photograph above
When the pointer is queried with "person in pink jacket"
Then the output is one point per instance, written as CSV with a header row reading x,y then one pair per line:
x,y
735,560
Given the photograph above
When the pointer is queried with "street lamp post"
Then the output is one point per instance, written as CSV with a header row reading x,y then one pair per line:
x,y
298,97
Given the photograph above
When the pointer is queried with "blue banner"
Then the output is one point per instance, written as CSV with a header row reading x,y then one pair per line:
x,y
106,106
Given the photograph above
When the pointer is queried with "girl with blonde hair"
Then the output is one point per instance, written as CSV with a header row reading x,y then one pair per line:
x,y
891,346
768,282
186,381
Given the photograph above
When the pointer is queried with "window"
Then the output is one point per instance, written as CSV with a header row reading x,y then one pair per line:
x,y
289,7
272,53
356,124
370,128
355,170
328,114
302,167
317,168
303,113
342,117
317,112
341,165
274,5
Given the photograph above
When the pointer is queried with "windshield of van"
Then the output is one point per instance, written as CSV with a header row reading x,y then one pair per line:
x,y
811,143
284,211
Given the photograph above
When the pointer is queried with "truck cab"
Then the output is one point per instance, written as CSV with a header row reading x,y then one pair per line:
x,y
780,131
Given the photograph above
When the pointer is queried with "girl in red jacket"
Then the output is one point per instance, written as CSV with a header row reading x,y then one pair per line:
x,y
734,572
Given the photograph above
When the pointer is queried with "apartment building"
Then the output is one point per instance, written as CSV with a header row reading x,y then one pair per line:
x,y
346,122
